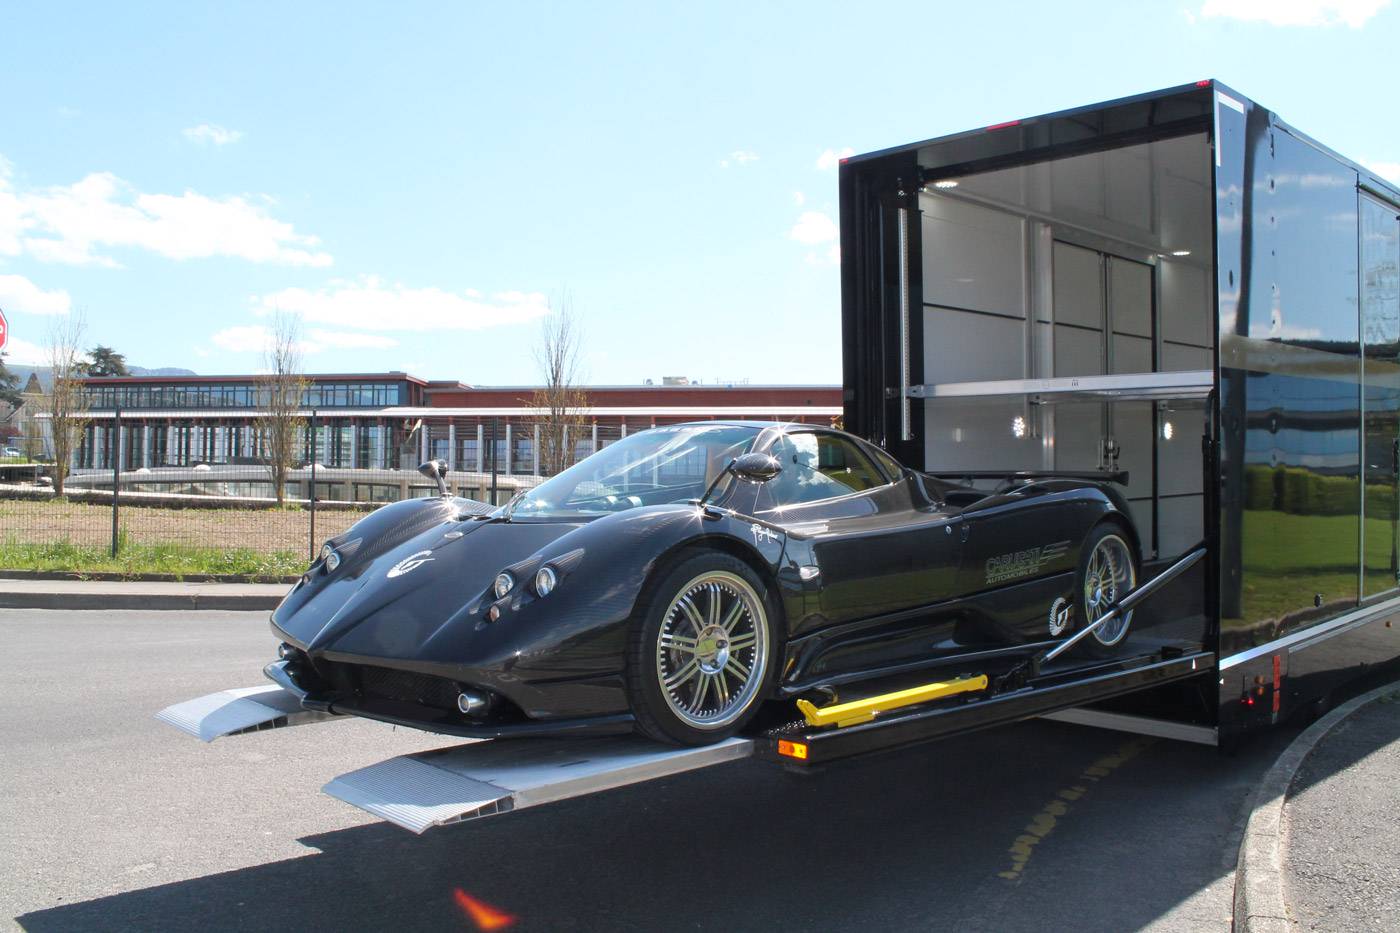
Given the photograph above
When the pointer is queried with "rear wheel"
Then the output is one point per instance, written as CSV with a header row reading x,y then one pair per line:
x,y
1107,573
701,650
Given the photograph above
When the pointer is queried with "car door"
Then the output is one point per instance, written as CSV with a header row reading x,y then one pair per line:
x,y
880,548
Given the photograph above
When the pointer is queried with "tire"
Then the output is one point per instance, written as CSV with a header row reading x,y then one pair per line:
x,y
1108,571
687,681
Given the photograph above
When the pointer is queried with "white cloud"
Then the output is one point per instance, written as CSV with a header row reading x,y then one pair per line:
x,y
23,353
342,340
814,227
75,224
1387,170
248,338
831,158
369,303
19,294
739,157
799,198
212,133
1353,13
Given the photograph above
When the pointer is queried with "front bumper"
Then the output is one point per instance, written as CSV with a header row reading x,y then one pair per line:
x,y
292,676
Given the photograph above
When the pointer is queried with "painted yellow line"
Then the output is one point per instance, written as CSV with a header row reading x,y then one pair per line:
x,y
858,711
1045,821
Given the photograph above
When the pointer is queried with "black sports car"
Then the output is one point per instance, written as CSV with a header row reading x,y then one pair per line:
x,y
677,580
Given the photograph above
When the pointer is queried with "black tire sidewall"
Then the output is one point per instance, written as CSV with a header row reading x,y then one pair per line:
x,y
649,704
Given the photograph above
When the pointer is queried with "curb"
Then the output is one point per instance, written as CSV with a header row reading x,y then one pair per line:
x,y
106,576
1260,904
106,599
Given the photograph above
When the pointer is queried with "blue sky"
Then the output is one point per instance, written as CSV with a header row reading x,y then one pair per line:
x,y
419,183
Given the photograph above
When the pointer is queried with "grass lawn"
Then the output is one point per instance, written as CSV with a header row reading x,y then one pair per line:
x,y
132,559
1288,559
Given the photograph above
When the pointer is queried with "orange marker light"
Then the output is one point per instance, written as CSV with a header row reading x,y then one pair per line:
x,y
484,916
792,749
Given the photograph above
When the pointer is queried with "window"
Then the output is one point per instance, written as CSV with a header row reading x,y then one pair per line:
x,y
816,467
890,464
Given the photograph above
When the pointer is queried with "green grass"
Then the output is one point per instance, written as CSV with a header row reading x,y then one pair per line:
x,y
133,559
1290,558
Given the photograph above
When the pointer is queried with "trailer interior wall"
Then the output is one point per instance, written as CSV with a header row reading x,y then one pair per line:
x,y
1085,265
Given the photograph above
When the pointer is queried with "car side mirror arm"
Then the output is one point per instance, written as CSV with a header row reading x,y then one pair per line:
x,y
436,470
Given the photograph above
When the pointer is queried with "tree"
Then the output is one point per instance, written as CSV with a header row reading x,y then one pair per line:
x,y
281,391
560,404
67,401
10,393
104,361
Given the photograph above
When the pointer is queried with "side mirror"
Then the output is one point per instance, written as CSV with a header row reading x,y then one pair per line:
x,y
756,467
436,470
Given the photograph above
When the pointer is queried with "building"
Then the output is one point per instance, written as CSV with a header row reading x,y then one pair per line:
x,y
394,421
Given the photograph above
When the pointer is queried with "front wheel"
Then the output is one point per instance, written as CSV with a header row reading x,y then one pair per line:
x,y
1107,573
701,653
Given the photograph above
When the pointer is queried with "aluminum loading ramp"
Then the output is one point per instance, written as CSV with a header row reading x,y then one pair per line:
x,y
466,782
235,712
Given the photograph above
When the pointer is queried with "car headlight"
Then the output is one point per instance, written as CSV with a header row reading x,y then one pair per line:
x,y
545,580
330,557
326,552
503,584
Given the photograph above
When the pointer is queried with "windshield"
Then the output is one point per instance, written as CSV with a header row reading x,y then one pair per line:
x,y
670,464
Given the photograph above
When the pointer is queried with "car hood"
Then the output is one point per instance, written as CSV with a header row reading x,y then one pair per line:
x,y
397,603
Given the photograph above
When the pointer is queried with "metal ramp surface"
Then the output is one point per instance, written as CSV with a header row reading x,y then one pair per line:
x,y
465,782
233,712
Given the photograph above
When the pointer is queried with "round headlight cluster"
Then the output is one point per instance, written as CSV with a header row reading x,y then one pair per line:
x,y
503,584
545,581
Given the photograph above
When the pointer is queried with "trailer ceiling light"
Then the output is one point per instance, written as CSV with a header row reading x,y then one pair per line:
x,y
1181,252
1018,426
945,183
1167,430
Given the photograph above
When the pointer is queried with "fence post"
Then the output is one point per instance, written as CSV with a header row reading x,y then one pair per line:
x,y
311,492
495,430
116,471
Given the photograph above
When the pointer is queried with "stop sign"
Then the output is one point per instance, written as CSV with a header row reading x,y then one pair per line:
x,y
4,329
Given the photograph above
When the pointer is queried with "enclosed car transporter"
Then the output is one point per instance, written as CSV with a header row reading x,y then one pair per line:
x,y
1176,286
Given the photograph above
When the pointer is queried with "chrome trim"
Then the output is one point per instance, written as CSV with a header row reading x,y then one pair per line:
x,y
1139,725
1169,385
1305,637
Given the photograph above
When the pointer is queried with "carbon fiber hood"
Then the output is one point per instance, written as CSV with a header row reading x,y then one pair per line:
x,y
407,601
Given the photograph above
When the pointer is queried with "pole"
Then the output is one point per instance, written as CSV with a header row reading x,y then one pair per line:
x,y
495,430
311,493
116,471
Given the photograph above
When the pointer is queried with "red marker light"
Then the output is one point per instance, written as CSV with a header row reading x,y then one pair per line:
x,y
1205,83
1002,126
484,916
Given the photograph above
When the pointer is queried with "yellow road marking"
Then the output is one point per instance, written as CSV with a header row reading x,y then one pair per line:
x,y
1045,821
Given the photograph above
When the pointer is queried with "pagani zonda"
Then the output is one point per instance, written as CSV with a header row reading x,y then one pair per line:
x,y
676,580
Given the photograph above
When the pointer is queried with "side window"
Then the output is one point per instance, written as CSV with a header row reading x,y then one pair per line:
x,y
890,464
816,467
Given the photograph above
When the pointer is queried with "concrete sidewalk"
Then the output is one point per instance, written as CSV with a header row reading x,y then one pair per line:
x,y
1320,849
93,594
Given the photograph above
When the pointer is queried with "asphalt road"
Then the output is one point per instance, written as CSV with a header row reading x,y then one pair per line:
x,y
111,820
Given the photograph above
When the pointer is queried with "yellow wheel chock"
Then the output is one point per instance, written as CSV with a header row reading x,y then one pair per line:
x,y
858,711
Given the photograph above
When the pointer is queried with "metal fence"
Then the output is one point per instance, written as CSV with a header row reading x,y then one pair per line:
x,y
198,500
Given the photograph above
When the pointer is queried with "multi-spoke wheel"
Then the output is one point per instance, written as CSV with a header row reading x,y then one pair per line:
x,y
701,651
1107,573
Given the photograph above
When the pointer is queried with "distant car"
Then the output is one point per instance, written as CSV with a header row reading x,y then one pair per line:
x,y
676,580
12,452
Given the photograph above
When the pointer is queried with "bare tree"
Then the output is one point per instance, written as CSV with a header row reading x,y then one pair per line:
x,y
67,401
281,392
560,403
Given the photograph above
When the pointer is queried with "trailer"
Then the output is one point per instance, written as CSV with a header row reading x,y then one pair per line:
x,y
1177,290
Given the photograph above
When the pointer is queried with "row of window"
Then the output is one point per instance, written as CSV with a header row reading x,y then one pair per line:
x,y
243,395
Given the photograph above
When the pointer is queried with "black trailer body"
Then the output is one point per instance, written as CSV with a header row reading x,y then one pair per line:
x,y
1182,286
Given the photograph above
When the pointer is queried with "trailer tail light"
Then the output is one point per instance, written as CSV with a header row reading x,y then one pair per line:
x,y
1278,679
1205,83
792,749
